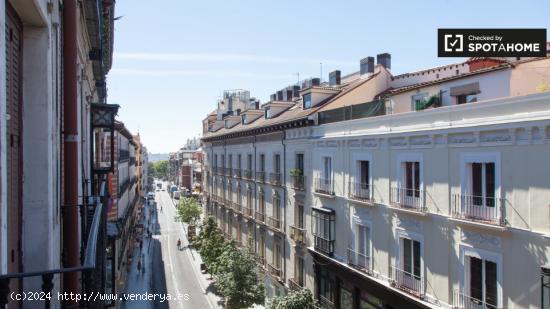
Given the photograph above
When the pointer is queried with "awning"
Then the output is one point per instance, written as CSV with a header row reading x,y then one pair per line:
x,y
472,88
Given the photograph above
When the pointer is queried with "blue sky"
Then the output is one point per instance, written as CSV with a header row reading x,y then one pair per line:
x,y
173,58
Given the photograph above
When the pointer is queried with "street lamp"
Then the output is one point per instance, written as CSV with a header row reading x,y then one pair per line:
x,y
103,130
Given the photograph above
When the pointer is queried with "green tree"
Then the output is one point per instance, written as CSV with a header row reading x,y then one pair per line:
x,y
188,211
159,169
297,299
210,243
237,279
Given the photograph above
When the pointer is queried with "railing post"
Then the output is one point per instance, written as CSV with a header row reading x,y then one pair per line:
x,y
4,292
47,287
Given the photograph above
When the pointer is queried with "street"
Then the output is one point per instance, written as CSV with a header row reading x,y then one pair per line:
x,y
177,271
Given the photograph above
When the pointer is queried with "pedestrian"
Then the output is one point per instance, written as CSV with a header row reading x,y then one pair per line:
x,y
148,233
139,265
140,245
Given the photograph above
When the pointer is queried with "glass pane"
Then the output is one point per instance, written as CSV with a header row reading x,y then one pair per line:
x,y
491,283
475,278
416,251
417,179
408,178
346,299
407,263
477,183
490,184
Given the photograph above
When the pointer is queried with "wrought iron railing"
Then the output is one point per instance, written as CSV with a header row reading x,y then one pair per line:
x,y
298,182
410,199
237,173
247,174
360,191
479,208
298,235
93,256
274,270
294,284
274,223
260,176
326,303
247,211
275,179
323,185
259,216
359,261
324,245
407,282
464,301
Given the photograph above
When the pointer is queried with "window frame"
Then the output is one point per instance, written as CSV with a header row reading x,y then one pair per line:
x,y
402,159
304,100
466,160
468,251
399,260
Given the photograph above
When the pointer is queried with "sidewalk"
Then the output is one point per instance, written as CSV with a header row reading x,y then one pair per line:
x,y
139,282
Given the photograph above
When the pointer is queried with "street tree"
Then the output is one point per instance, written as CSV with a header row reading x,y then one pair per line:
x,y
159,169
237,279
296,299
188,211
210,243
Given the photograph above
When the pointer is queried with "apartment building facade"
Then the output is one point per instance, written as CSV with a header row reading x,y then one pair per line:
x,y
46,171
410,191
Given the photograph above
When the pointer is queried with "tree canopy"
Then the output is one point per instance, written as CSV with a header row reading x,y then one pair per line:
x,y
297,299
188,211
158,169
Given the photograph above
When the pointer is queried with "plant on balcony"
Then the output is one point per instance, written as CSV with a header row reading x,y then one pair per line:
x,y
237,279
298,299
295,172
431,101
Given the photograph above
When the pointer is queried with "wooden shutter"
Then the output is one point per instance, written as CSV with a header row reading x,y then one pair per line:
x,y
13,139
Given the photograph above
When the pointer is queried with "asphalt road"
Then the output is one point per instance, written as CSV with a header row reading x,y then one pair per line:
x,y
178,268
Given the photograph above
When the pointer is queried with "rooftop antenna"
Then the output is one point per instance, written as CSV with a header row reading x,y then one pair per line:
x,y
321,74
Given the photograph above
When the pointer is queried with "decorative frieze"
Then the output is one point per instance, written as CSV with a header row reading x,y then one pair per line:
x,y
477,239
408,224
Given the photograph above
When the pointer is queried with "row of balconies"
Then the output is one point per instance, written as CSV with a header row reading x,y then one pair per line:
x,y
483,209
298,181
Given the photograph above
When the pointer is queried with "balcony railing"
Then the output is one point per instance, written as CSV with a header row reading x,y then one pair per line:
x,y
298,182
275,179
259,216
407,282
479,208
237,173
360,191
247,174
93,223
323,244
260,176
236,207
359,261
464,301
247,211
260,260
294,284
323,185
229,171
326,303
298,235
274,271
409,199
274,222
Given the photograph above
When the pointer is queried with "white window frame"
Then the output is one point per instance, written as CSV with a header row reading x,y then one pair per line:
x,y
401,169
400,233
466,159
355,173
322,168
467,251
357,222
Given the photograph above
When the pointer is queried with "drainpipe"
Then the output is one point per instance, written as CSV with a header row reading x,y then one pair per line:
x,y
70,144
283,142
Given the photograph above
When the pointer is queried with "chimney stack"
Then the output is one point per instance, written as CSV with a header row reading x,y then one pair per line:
x,y
366,65
384,60
334,78
315,81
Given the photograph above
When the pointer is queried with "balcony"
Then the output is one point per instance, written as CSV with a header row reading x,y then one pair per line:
x,y
237,173
323,245
298,182
298,235
361,192
488,210
323,186
260,176
408,199
294,284
236,207
359,261
407,282
228,171
247,174
259,216
274,271
326,303
274,223
463,301
275,179
260,260
247,212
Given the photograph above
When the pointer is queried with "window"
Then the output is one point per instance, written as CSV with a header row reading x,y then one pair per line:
x,y
262,163
412,179
261,202
239,234
327,169
243,119
483,184
307,100
223,161
277,253
276,207
362,240
323,229
326,285
411,264
417,100
346,298
277,163
215,161
249,162
239,161
261,246
482,280
299,219
364,174
300,162
299,270
466,98
267,113
230,161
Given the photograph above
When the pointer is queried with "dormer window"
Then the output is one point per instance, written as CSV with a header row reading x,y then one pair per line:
x,y
306,98
267,113
243,119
